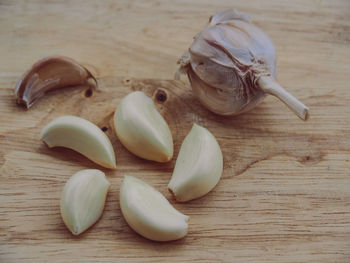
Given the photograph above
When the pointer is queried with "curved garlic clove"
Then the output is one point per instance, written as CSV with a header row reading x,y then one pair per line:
x,y
234,61
83,199
50,73
141,128
198,166
149,213
82,136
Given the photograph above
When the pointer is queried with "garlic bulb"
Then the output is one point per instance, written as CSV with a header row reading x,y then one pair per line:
x,y
82,136
141,128
198,167
51,73
149,213
232,65
83,199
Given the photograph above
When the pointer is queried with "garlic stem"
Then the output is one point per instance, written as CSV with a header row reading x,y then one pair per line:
x,y
269,85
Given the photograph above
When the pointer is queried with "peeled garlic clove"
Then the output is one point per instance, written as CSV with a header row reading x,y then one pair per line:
x,y
82,136
83,199
198,166
51,73
141,128
149,213
231,65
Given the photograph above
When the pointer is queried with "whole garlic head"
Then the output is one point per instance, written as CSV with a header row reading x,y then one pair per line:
x,y
231,65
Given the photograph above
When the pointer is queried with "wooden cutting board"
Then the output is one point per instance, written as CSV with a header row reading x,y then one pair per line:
x,y
284,184
285,191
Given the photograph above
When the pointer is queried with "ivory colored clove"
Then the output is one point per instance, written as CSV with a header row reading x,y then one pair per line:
x,y
82,136
231,65
141,128
149,213
83,199
198,166
50,73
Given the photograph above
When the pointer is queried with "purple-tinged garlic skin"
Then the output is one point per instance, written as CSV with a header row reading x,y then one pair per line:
x,y
51,73
227,62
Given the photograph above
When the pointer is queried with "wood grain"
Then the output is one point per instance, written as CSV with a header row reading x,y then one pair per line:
x,y
285,192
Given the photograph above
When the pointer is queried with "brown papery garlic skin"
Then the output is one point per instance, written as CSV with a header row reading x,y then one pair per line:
x,y
51,73
231,66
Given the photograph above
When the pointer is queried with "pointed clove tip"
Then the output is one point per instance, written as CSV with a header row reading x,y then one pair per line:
x,y
307,115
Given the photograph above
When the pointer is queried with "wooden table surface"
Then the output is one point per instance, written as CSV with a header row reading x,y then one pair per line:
x,y
285,191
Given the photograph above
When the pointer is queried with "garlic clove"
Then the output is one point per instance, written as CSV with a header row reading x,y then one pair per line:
x,y
83,199
82,136
51,73
236,62
141,128
198,166
149,213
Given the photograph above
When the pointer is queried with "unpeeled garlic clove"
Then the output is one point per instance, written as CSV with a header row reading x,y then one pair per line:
x,y
82,136
198,166
51,73
141,128
149,213
83,199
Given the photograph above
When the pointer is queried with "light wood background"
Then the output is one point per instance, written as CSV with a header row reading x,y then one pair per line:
x,y
285,192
